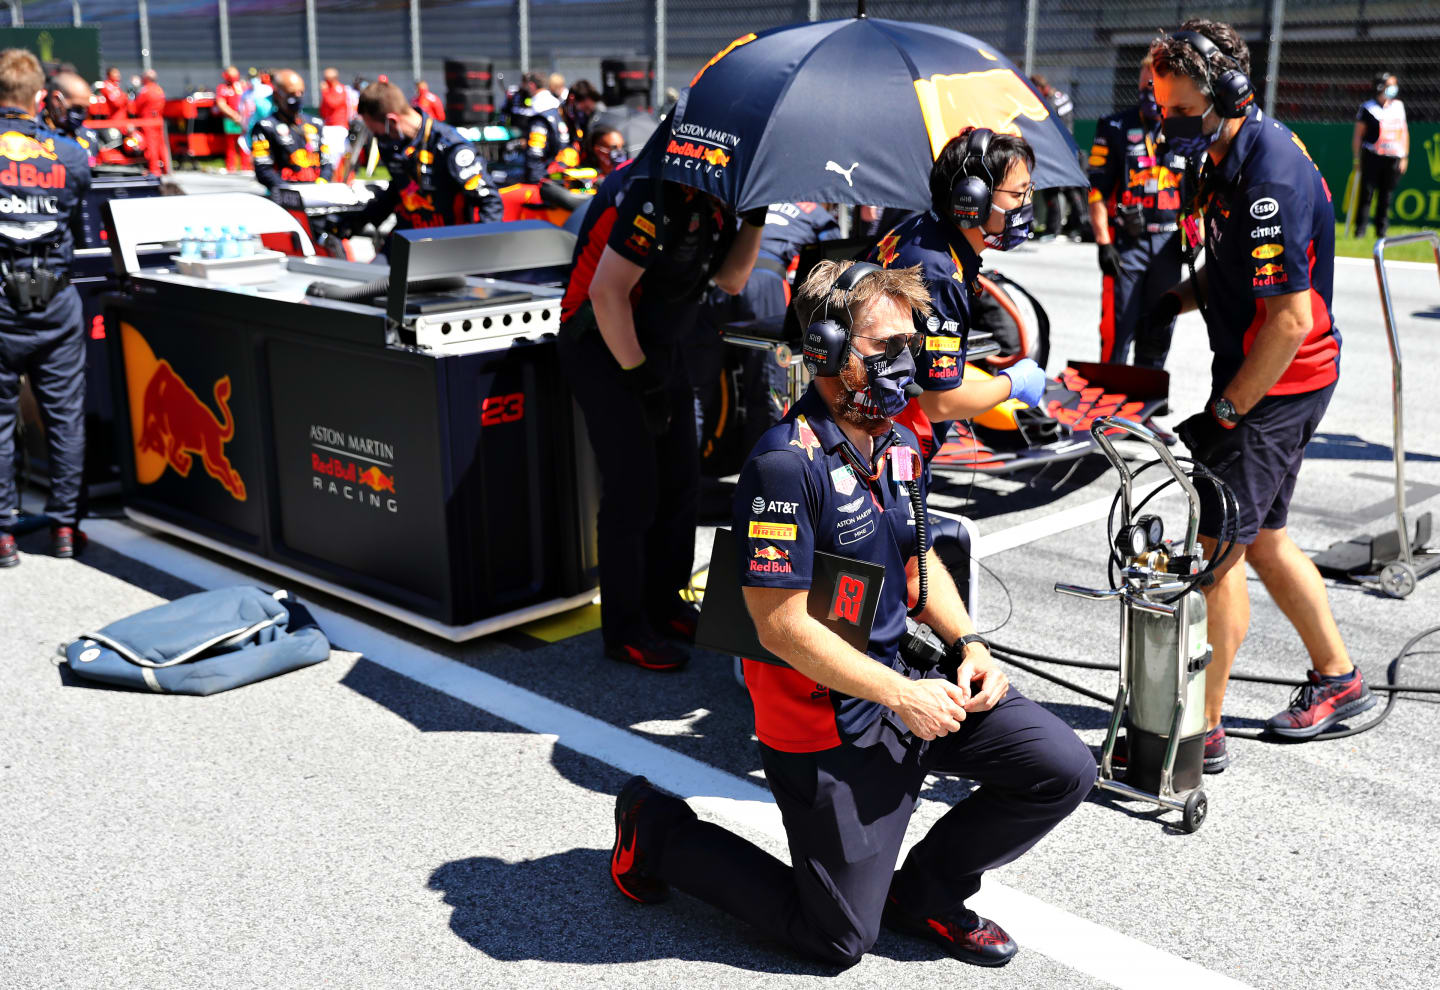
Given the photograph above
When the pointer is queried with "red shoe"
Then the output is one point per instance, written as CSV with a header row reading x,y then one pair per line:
x,y
642,815
67,541
1216,758
650,653
962,934
9,555
1319,704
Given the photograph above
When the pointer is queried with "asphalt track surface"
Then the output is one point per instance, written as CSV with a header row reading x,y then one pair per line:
x,y
414,814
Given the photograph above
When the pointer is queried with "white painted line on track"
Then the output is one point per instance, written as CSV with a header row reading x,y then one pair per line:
x,y
1072,941
1049,525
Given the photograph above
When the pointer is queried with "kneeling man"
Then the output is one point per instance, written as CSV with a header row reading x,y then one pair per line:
x,y
847,737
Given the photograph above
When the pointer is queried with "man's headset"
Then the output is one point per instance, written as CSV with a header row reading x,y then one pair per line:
x,y
827,340
969,193
1231,91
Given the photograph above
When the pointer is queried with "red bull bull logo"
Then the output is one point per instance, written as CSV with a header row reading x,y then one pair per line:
x,y
1269,274
770,560
993,98
22,147
945,366
887,249
179,426
1269,269
411,201
377,480
805,438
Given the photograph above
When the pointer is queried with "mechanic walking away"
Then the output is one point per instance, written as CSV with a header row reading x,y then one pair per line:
x,y
436,177
114,102
847,737
645,254
980,197
149,104
1265,290
43,179
288,146
1382,151
1135,209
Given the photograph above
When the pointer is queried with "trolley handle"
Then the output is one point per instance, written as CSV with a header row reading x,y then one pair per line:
x,y
1127,477
1129,597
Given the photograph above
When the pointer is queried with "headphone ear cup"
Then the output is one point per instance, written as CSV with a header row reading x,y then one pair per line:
x,y
826,343
969,201
1233,93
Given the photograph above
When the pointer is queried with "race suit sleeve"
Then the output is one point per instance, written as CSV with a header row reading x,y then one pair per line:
x,y
537,144
632,236
1107,159
941,364
265,171
1280,217
774,518
468,172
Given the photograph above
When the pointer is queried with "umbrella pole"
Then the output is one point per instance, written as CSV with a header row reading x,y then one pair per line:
x,y
859,8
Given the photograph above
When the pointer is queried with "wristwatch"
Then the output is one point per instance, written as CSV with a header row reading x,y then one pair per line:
x,y
1224,411
965,641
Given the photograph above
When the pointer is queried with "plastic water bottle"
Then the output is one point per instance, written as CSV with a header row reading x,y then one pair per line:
x,y
189,246
243,242
209,246
229,246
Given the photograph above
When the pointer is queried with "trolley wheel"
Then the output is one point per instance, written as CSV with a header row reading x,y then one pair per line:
x,y
1196,807
1397,579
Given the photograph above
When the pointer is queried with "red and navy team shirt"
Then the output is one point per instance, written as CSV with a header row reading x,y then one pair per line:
x,y
624,218
1269,231
799,493
951,270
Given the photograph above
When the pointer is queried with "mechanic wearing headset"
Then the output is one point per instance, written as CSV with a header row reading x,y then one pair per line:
x,y
1265,295
980,193
847,737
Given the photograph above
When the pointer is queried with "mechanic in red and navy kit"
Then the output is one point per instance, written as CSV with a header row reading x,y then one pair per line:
x,y
847,737
980,197
1135,209
43,179
644,257
1265,293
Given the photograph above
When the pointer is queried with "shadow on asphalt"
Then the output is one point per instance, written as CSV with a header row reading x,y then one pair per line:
x,y
563,908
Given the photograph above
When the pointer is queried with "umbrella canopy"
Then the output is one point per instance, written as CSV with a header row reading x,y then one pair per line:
x,y
850,111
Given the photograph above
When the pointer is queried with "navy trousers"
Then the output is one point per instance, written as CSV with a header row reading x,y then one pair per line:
x,y
846,810
1149,267
649,486
47,345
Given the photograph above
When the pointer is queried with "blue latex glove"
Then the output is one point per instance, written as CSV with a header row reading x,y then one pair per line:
x,y
1027,381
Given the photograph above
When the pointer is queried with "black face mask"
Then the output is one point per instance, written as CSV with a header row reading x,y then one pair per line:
x,y
619,156
74,119
292,105
887,378
1149,109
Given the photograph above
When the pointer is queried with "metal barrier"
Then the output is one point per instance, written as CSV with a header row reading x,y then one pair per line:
x,y
1402,528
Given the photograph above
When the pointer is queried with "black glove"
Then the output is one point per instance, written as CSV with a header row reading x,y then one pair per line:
x,y
755,217
1208,441
1163,313
1109,259
650,389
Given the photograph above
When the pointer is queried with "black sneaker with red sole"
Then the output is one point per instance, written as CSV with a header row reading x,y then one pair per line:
x,y
643,814
67,541
962,934
9,553
650,653
1318,704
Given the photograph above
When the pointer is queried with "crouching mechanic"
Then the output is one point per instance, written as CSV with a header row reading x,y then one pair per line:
x,y
980,197
847,738
1266,289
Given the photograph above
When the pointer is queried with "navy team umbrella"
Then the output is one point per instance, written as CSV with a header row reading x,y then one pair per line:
x,y
849,111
